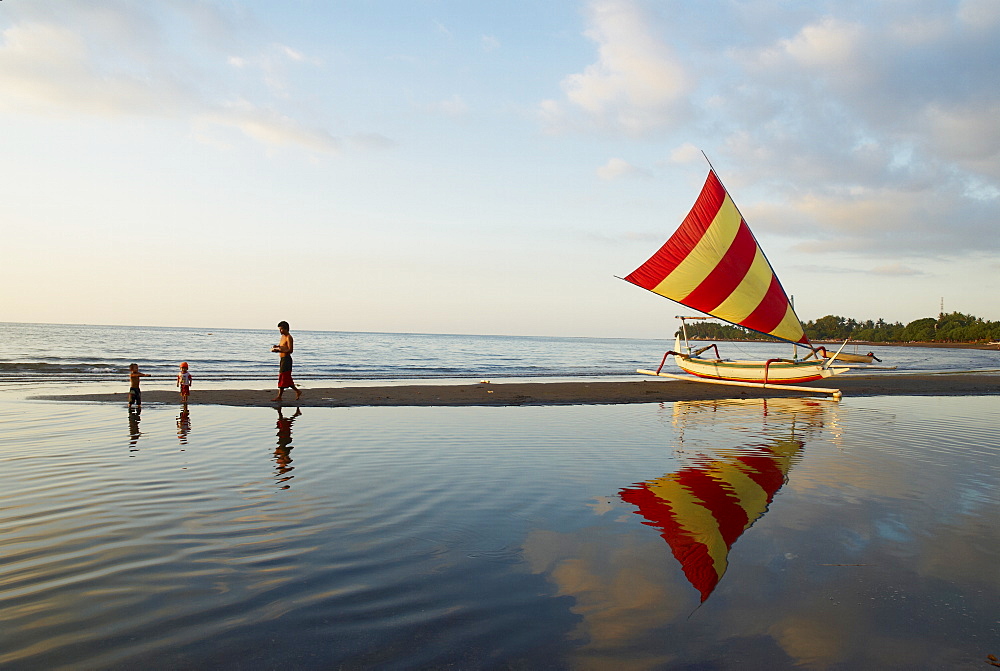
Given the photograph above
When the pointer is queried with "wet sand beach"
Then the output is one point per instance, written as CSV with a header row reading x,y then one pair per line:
x,y
562,393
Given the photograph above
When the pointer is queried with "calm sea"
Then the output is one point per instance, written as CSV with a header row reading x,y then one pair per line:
x,y
54,353
762,534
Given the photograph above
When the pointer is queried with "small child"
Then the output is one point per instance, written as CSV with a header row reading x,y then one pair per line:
x,y
184,382
134,395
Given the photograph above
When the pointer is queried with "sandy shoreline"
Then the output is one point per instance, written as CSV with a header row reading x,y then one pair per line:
x,y
649,390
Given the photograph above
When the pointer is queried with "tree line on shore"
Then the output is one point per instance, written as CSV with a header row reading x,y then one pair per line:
x,y
952,327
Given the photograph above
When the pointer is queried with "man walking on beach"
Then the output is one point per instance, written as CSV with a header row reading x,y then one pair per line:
x,y
284,348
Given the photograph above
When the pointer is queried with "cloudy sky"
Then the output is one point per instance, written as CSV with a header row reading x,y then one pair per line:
x,y
455,167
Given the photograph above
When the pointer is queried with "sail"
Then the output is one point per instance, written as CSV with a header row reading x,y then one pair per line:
x,y
701,510
713,264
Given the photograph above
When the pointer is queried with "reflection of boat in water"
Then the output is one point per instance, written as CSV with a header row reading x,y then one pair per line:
x,y
770,417
704,507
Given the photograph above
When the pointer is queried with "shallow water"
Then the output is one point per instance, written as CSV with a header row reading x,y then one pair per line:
x,y
840,536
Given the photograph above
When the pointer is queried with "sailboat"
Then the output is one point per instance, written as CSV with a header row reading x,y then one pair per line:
x,y
713,264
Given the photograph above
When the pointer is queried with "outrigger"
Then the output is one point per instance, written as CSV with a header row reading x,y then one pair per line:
x,y
770,373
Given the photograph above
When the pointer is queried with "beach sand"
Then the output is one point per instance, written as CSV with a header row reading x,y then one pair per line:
x,y
649,390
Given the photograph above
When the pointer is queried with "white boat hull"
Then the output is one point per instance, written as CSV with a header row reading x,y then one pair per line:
x,y
775,372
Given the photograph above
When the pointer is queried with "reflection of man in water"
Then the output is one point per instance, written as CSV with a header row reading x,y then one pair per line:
x,y
282,453
133,428
183,425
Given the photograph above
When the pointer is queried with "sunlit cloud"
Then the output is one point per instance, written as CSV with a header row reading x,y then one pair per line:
x,y
983,15
49,69
966,132
896,270
274,129
442,29
46,68
863,134
617,168
454,106
272,64
685,153
637,84
373,141
831,43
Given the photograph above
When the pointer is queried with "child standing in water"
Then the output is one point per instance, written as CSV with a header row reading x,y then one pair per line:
x,y
134,395
184,382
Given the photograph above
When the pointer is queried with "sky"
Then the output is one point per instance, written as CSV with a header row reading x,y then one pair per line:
x,y
438,166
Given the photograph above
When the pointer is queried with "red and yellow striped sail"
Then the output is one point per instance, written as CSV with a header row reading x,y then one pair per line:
x,y
701,510
713,264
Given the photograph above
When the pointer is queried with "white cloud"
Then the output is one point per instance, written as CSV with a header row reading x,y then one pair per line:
x,y
875,222
442,29
831,43
274,129
373,141
965,132
637,84
872,132
617,168
291,53
490,43
454,106
980,15
896,270
47,68
686,153
920,31
552,115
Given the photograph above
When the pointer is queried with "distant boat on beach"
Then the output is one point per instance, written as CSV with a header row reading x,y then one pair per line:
x,y
712,263
853,357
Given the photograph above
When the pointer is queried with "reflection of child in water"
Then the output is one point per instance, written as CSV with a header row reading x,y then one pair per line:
x,y
134,395
184,382
183,426
133,430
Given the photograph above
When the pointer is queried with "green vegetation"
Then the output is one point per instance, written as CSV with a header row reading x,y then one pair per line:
x,y
717,331
952,327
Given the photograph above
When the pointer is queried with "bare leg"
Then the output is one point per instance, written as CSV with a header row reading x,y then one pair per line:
x,y
277,398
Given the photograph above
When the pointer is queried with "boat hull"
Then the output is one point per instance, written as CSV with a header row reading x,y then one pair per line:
x,y
778,372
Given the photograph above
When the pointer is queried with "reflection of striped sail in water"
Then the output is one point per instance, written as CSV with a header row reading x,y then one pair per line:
x,y
702,509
